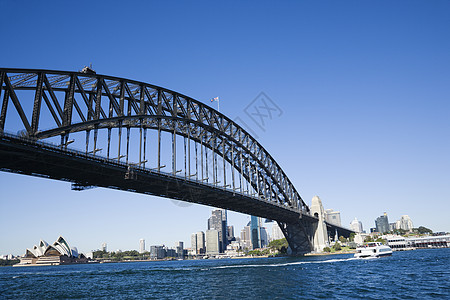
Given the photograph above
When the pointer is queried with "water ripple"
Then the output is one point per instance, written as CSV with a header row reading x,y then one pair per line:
x,y
421,274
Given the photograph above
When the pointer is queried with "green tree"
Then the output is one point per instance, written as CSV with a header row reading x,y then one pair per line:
x,y
100,254
8,262
383,241
352,237
423,230
326,249
280,245
337,246
368,239
400,231
342,239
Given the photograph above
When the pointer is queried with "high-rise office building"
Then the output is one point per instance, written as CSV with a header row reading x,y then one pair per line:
x,y
218,221
194,243
276,232
157,252
198,242
230,234
104,247
264,237
406,223
171,252
141,246
180,250
392,226
246,239
255,232
382,223
212,242
356,226
201,242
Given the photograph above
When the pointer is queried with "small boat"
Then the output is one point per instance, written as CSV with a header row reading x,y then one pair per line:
x,y
373,249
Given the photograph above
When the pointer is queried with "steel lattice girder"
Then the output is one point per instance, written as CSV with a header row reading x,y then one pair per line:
x,y
108,102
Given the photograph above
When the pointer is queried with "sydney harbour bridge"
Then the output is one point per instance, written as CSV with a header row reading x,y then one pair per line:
x,y
101,131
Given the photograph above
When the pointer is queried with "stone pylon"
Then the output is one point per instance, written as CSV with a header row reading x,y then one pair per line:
x,y
320,240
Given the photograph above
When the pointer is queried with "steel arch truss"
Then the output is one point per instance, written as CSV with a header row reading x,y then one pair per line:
x,y
88,102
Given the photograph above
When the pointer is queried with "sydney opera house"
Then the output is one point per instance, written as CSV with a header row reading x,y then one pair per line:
x,y
58,253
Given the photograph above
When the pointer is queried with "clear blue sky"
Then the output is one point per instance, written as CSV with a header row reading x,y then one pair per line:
x,y
364,88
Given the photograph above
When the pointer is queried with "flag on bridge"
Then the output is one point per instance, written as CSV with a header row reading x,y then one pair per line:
x,y
215,99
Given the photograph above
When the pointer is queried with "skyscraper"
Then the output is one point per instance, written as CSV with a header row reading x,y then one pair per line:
x,y
255,232
141,246
246,240
382,223
276,232
406,223
157,252
230,234
104,247
194,243
218,221
264,237
201,242
356,226
180,250
212,242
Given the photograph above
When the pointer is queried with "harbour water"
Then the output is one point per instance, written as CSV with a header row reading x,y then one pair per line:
x,y
419,274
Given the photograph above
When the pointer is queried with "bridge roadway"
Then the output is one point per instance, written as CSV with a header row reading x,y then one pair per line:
x,y
36,158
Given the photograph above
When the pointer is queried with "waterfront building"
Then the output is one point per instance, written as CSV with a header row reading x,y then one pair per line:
x,y
396,242
392,226
439,241
276,232
171,252
397,224
230,234
382,223
333,217
141,246
218,221
198,243
157,252
356,226
7,257
255,230
201,247
194,243
264,237
246,242
180,250
58,253
212,242
406,223
104,247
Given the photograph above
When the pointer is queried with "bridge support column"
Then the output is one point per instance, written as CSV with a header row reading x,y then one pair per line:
x,y
298,235
320,240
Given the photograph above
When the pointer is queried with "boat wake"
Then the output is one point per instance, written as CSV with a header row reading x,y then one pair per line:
x,y
282,264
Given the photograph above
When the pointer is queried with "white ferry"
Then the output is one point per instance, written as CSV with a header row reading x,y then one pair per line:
x,y
373,249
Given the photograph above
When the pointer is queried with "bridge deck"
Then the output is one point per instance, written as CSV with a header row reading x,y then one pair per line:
x,y
24,156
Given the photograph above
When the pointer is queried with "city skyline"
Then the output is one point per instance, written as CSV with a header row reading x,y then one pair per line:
x,y
362,98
